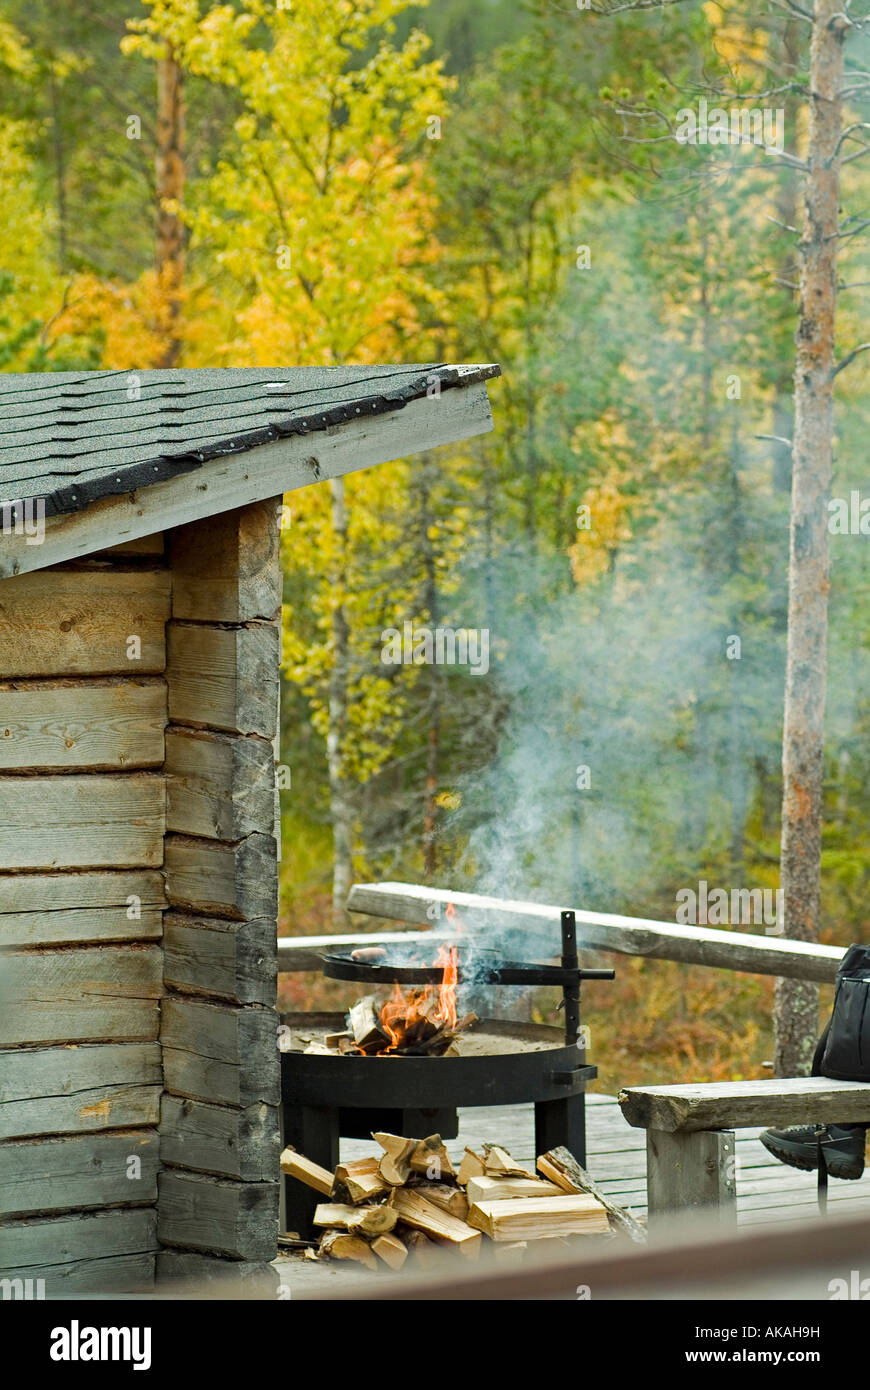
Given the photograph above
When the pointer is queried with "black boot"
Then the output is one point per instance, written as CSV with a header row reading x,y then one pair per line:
x,y
842,1146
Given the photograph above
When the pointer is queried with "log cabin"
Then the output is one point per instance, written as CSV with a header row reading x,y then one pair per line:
x,y
140,642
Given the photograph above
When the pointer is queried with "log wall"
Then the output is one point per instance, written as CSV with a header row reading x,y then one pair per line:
x,y
139,1070
83,710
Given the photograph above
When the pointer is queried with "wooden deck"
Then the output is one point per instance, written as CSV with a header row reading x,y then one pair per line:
x,y
767,1191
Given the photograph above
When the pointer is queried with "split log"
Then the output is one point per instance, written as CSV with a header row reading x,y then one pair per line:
x,y
364,1025
297,1166
449,1199
500,1164
562,1168
487,1189
338,1245
361,1179
391,1250
535,1217
472,1166
358,1220
424,1250
334,1040
422,1215
395,1166
431,1157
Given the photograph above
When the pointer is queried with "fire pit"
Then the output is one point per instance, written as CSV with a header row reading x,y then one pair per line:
x,y
327,1094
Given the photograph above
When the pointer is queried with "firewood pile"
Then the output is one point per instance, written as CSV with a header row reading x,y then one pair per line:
x,y
409,1200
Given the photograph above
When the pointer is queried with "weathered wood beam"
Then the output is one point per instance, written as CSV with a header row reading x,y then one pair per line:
x,y
738,1104
78,1171
219,1053
224,678
218,786
242,1144
228,571
688,1172
214,956
61,1240
223,880
601,931
86,995
98,725
266,471
238,1219
83,822
79,1089
78,622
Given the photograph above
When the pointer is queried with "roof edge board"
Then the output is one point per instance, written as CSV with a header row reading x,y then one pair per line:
x,y
267,470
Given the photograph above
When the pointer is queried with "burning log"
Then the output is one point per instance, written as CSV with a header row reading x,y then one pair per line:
x,y
338,1245
562,1168
360,1179
532,1218
488,1189
310,1173
371,1221
364,1025
422,1215
391,1250
395,1166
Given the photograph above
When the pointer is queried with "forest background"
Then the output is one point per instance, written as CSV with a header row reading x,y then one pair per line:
x,y
328,181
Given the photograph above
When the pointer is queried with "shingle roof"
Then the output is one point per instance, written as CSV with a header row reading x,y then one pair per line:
x,y
71,437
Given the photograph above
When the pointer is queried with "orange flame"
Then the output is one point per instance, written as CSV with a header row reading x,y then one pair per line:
x,y
434,1004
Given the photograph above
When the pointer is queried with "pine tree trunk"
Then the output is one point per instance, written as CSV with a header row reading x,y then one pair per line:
x,y
340,800
169,177
796,1002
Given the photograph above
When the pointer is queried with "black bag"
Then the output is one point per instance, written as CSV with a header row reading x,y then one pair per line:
x,y
843,1050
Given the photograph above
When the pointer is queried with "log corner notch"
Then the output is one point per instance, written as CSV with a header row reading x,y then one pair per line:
x,y
218,1193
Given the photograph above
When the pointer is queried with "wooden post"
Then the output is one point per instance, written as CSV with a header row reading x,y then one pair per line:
x,y
219,1119
690,1172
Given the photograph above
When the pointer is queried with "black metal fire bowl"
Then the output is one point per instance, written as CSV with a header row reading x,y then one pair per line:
x,y
397,1083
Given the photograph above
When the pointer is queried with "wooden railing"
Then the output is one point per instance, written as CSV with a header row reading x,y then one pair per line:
x,y
601,931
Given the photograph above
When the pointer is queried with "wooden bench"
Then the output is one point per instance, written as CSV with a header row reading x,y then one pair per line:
x,y
690,1145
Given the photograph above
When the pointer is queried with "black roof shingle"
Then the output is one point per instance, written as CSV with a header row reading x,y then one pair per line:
x,y
69,438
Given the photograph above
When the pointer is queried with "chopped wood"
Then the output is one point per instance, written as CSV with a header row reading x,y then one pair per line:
x,y
472,1166
534,1217
297,1166
361,1179
562,1168
391,1250
424,1250
335,1039
510,1250
357,1220
395,1166
499,1163
338,1245
424,1216
494,1189
450,1199
431,1157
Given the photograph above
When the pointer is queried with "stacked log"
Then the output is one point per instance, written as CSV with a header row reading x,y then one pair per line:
x,y
408,1199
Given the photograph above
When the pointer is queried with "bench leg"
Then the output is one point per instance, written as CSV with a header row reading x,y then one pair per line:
x,y
690,1172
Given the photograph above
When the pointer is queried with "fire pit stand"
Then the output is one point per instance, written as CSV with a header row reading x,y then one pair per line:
x,y
326,1097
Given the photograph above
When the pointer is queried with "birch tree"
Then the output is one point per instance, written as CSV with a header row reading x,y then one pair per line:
x,y
830,143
